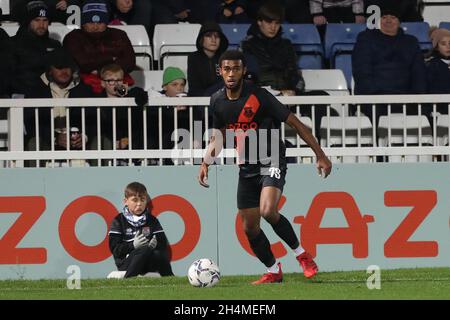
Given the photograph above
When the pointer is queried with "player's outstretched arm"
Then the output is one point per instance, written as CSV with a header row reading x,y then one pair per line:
x,y
213,149
323,163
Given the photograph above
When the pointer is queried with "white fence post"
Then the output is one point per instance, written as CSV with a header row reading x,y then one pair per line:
x,y
16,132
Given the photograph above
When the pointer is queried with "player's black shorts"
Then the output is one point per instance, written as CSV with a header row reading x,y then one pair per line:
x,y
249,189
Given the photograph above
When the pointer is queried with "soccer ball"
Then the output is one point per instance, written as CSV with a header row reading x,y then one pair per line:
x,y
203,273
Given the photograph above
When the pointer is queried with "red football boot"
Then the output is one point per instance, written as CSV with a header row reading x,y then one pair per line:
x,y
308,265
271,277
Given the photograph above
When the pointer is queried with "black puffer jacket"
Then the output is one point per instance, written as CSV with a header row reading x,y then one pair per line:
x,y
29,54
276,59
203,72
6,63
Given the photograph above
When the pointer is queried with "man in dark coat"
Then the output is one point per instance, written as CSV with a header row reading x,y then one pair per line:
x,y
6,63
388,61
30,46
96,45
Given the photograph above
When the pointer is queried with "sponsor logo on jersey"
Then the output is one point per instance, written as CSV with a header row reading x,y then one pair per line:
x,y
243,126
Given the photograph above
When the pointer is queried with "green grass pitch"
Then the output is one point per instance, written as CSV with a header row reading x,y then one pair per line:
x,y
421,283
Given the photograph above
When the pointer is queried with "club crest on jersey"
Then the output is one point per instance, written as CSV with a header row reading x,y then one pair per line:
x,y
248,112
146,231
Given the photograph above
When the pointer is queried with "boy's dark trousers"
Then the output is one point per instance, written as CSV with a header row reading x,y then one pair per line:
x,y
143,260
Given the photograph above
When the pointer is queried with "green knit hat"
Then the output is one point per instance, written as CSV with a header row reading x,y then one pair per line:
x,y
172,73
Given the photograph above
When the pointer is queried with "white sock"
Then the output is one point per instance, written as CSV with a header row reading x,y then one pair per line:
x,y
274,268
299,250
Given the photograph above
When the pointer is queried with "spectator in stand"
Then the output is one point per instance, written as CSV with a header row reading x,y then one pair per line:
x,y
173,85
60,80
337,11
388,61
274,55
6,65
96,45
276,58
113,85
134,12
438,68
203,65
57,8
232,11
30,47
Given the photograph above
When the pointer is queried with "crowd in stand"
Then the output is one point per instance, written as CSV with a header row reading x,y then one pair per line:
x,y
97,60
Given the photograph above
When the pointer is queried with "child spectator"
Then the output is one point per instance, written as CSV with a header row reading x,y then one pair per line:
x,y
438,69
173,85
203,65
112,82
136,238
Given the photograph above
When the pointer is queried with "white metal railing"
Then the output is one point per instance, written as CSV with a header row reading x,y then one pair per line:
x,y
398,137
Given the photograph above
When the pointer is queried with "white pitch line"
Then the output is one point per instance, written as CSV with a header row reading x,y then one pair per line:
x,y
176,285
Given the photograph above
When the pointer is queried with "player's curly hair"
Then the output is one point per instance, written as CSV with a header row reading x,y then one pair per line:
x,y
233,55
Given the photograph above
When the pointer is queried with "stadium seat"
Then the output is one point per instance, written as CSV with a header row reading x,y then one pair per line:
x,y
343,62
341,38
174,40
308,46
397,125
351,125
10,28
420,31
443,132
442,127
435,11
5,7
235,33
330,80
291,137
141,44
148,80
326,79
445,25
3,139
